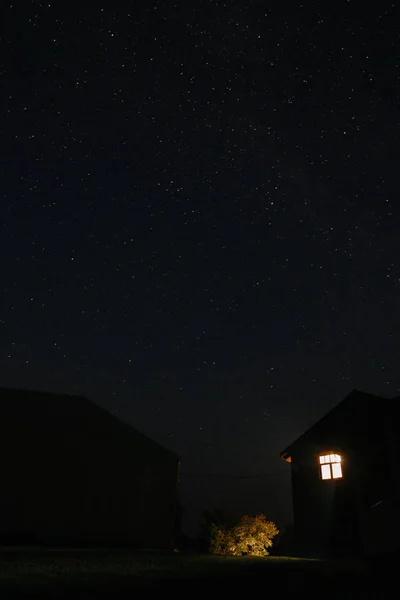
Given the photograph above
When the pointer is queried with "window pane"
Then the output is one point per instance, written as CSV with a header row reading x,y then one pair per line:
x,y
321,460
326,471
332,458
336,470
338,458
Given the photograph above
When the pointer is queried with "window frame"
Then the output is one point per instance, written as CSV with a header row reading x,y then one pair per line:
x,y
334,459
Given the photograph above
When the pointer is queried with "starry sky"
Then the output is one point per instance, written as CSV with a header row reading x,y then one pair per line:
x,y
200,222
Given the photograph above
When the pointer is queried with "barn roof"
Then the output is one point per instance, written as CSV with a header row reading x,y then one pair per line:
x,y
28,409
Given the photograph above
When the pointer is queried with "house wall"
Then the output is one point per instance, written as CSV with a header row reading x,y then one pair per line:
x,y
325,511
381,519
358,513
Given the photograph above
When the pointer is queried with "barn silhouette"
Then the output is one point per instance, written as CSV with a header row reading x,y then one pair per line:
x,y
73,474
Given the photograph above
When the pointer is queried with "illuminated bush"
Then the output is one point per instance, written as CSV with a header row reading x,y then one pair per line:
x,y
251,536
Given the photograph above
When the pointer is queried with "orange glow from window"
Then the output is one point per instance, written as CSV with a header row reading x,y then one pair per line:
x,y
331,467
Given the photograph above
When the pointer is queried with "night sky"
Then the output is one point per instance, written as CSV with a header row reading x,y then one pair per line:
x,y
200,222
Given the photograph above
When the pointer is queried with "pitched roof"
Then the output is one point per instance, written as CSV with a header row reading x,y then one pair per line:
x,y
27,409
355,400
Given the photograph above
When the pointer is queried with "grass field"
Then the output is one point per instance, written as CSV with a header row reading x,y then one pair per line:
x,y
117,574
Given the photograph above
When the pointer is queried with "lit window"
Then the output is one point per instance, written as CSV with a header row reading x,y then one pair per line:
x,y
331,467
326,471
336,470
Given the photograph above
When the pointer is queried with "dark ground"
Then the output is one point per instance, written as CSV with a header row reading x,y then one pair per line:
x,y
87,574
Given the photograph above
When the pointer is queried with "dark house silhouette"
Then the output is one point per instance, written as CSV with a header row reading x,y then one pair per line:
x,y
345,479
73,474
